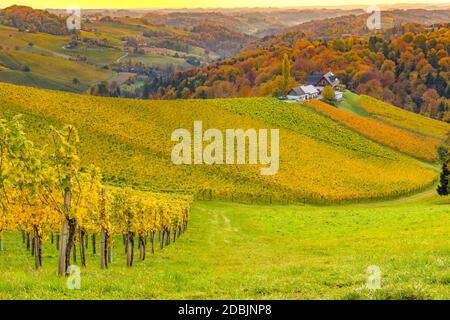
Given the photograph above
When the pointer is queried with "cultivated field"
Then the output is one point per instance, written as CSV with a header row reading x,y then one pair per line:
x,y
321,160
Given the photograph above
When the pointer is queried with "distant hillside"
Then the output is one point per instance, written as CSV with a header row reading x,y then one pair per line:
x,y
31,20
357,24
321,160
257,22
104,50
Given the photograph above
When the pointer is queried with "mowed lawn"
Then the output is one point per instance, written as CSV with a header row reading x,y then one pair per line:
x,y
238,251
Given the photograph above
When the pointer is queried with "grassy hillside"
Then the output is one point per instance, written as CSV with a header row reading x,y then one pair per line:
x,y
56,70
50,66
320,160
155,60
55,60
234,251
53,45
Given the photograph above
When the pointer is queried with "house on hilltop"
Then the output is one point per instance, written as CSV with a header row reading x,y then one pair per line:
x,y
314,86
320,80
302,93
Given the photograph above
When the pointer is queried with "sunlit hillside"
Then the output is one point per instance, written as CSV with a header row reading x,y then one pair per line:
x,y
320,159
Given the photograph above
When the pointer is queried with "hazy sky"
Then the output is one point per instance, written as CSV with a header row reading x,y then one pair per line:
x,y
199,3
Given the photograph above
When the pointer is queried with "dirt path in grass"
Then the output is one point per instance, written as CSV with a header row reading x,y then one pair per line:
x,y
423,195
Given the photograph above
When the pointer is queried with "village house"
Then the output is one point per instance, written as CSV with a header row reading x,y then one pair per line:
x,y
302,93
314,86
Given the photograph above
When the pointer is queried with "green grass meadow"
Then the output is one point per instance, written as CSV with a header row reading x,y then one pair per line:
x,y
349,104
239,251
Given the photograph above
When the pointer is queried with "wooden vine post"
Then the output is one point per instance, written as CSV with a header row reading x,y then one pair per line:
x,y
103,234
63,236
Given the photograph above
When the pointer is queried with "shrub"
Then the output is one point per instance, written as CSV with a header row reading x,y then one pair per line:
x,y
328,93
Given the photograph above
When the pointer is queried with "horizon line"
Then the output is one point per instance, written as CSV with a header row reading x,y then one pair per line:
x,y
310,7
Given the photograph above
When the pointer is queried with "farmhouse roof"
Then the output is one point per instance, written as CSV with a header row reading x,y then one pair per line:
x,y
331,78
309,89
302,90
315,77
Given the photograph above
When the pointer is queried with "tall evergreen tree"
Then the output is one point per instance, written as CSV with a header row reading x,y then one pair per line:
x,y
443,189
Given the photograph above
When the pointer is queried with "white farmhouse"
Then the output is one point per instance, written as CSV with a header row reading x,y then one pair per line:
x,y
314,86
303,93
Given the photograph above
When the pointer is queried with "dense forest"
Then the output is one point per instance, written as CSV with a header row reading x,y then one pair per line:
x,y
407,65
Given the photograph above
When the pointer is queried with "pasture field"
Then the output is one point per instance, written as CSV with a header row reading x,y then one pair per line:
x,y
51,45
98,56
11,38
157,60
60,70
349,103
320,160
50,61
33,80
239,251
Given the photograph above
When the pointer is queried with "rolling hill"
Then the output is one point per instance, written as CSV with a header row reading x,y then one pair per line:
x,y
320,159
37,59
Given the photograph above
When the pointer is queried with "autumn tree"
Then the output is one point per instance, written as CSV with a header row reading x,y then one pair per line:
x,y
328,93
398,68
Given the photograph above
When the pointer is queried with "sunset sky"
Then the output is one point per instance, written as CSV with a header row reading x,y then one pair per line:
x,y
199,3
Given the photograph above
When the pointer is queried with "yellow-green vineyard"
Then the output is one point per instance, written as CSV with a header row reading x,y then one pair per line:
x,y
320,160
412,143
43,193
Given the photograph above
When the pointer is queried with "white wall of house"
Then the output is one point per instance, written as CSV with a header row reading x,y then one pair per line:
x,y
297,98
303,97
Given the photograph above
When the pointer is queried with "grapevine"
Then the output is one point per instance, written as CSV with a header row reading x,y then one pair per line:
x,y
45,194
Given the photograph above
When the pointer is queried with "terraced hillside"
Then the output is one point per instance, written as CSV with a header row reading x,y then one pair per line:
x,y
402,118
320,159
412,143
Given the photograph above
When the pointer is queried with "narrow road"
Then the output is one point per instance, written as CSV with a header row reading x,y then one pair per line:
x,y
122,57
422,195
